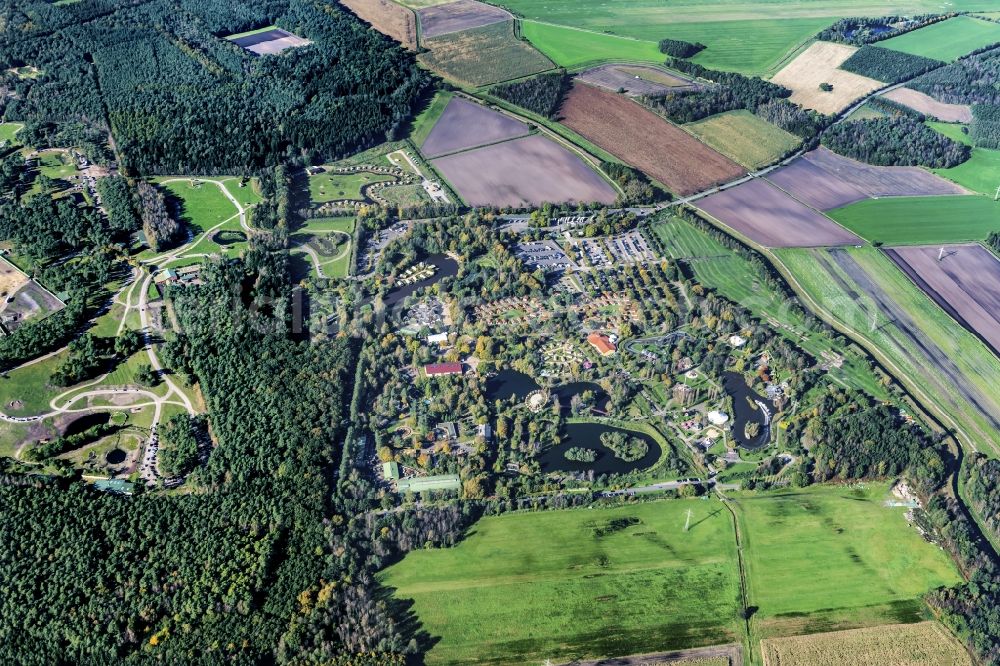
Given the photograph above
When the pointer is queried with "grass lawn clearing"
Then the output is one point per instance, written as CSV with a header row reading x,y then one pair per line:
x,y
946,40
745,138
565,584
328,186
203,205
921,220
8,132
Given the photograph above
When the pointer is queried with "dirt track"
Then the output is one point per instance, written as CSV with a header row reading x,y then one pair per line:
x,y
734,653
965,283
770,217
639,137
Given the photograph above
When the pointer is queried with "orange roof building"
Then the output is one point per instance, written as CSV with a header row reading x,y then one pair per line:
x,y
602,344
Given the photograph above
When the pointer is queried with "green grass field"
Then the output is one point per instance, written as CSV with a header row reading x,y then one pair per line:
x,y
483,56
741,35
575,48
981,172
332,261
248,195
833,557
8,131
719,268
745,138
424,122
566,584
204,205
921,220
947,40
949,369
329,186
953,131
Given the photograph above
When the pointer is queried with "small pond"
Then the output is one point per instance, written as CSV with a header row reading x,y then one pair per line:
x,y
446,267
588,436
116,457
507,383
602,401
734,385
86,422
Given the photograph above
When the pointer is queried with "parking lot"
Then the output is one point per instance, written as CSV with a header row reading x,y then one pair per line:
x,y
544,254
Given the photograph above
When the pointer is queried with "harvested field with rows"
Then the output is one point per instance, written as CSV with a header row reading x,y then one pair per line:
x,y
963,279
924,643
388,18
927,105
457,16
635,80
770,217
825,180
527,171
819,64
639,137
465,125
483,56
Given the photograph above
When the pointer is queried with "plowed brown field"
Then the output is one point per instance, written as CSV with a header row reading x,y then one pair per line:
x,y
639,137
387,17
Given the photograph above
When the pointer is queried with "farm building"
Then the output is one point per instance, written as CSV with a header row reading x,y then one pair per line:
x,y
435,369
602,344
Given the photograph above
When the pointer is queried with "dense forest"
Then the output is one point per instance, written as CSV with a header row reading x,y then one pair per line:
x,y
542,94
969,80
178,98
735,91
676,48
887,65
899,141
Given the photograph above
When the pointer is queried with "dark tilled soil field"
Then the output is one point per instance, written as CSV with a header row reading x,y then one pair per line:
x,y
882,181
457,16
639,137
810,184
528,171
770,217
465,125
965,283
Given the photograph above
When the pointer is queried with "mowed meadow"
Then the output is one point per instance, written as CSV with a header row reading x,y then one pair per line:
x,y
583,583
567,584
833,557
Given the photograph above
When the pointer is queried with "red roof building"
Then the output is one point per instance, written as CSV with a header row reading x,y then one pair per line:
x,y
443,369
602,344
